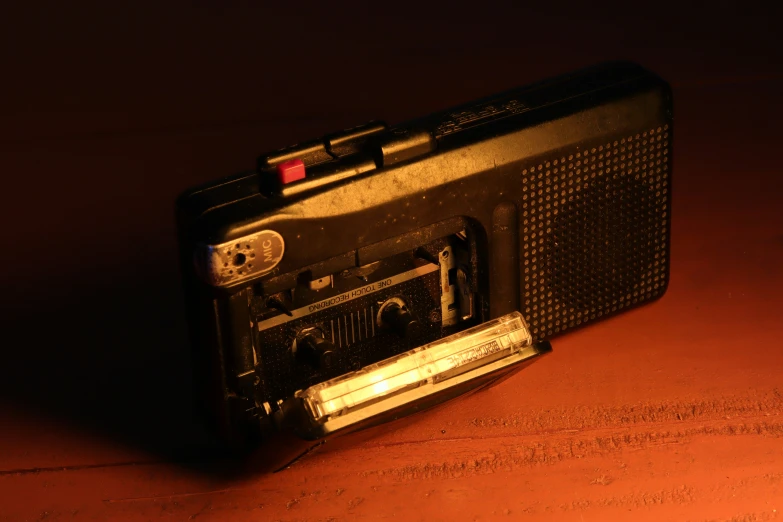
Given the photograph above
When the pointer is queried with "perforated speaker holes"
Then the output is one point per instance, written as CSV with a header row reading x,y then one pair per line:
x,y
595,225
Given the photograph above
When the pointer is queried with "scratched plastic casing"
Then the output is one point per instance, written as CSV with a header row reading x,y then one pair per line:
x,y
565,186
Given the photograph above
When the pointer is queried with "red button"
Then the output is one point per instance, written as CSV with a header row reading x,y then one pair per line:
x,y
290,171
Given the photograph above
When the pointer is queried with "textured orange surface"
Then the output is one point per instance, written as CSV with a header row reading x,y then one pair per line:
x,y
673,411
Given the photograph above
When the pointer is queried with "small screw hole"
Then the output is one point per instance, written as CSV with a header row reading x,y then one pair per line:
x,y
239,260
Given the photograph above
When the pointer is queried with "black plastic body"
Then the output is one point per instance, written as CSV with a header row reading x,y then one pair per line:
x,y
565,187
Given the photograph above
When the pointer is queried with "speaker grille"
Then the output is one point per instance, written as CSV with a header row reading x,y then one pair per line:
x,y
595,231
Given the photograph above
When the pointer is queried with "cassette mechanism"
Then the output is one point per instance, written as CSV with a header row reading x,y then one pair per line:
x,y
363,345
346,320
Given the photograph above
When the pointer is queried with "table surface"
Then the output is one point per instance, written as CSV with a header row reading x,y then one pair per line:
x,y
673,411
